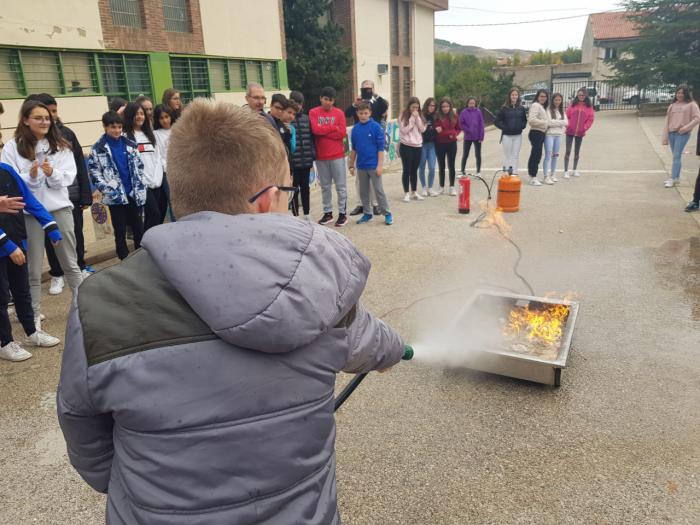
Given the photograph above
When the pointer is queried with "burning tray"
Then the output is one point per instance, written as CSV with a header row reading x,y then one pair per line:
x,y
518,336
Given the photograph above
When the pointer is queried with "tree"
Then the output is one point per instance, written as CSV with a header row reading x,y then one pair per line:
x,y
543,57
571,55
668,47
316,56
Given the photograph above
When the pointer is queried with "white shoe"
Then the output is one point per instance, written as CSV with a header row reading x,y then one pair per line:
x,y
670,183
534,182
13,351
548,180
576,174
40,338
407,197
307,218
441,190
566,175
417,196
424,193
433,193
57,285
554,178
453,191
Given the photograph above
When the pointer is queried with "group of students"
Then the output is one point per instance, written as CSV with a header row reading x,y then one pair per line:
x,y
43,166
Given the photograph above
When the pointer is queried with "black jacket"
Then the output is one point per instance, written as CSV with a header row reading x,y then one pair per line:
x,y
511,120
429,134
379,107
305,153
79,192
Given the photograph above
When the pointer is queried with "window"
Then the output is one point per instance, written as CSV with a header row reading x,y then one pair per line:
x,y
406,84
79,73
394,26
126,76
252,71
11,84
218,75
176,14
405,28
190,77
236,74
41,71
610,53
395,91
270,79
126,13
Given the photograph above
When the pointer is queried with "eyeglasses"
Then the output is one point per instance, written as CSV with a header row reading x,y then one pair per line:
x,y
290,189
257,98
42,119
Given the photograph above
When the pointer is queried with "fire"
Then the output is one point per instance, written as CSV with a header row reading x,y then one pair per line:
x,y
494,217
541,325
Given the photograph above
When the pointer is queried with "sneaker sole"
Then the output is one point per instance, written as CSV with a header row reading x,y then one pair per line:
x,y
18,360
54,292
323,223
341,225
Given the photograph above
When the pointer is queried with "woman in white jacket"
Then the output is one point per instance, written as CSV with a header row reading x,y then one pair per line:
x,y
552,140
538,120
44,160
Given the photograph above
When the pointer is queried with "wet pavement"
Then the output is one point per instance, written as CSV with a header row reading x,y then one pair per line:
x,y
618,442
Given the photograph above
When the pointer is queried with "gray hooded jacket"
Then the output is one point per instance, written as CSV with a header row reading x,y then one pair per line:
x,y
198,374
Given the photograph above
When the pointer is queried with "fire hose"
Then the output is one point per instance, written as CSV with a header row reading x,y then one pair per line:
x,y
352,385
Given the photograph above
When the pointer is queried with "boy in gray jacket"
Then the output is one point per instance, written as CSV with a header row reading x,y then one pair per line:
x,y
216,404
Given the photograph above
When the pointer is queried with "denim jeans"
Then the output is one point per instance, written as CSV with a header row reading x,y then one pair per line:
x,y
427,155
677,142
552,143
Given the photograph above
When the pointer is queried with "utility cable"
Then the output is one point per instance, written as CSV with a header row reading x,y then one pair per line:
x,y
522,22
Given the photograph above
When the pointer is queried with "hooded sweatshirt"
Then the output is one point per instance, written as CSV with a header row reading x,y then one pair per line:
x,y
209,398
580,119
471,121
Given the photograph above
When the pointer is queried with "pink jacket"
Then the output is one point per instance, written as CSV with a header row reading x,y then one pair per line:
x,y
580,119
681,117
411,134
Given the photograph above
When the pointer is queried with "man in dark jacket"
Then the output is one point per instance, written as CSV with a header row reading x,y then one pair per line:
x,y
198,375
80,195
303,156
694,205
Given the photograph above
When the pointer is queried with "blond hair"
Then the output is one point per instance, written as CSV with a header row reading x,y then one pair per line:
x,y
219,156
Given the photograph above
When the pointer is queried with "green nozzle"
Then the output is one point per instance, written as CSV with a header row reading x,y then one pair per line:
x,y
407,353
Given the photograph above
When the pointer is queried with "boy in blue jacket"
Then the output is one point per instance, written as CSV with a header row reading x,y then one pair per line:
x,y
14,277
368,150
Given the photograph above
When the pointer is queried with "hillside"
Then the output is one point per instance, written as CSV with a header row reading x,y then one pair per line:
x,y
480,52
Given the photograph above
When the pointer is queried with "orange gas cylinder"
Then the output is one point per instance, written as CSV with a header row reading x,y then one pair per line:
x,y
508,198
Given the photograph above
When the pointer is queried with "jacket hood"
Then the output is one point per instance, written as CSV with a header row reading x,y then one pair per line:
x,y
266,282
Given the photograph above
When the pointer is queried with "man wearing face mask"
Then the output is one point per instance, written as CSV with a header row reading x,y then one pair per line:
x,y
380,108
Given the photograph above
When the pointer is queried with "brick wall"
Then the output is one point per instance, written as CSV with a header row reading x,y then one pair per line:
x,y
152,36
342,13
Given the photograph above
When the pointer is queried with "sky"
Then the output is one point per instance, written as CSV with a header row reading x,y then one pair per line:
x,y
554,35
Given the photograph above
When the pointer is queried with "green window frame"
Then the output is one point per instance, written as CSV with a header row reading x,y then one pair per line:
x,y
126,76
176,14
227,75
263,72
190,77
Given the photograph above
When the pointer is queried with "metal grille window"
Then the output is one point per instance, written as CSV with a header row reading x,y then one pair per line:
x,y
176,14
395,91
41,71
236,74
270,76
405,28
11,81
394,26
406,84
218,75
252,71
126,13
79,73
190,77
126,76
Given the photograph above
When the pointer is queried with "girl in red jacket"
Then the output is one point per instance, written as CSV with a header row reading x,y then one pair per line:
x,y
448,130
580,116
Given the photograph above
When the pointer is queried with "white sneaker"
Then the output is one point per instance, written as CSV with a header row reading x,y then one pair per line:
x,y
566,175
453,191
670,183
407,197
554,178
441,190
13,351
40,338
417,196
433,193
548,180
534,182
576,174
57,285
424,193
307,218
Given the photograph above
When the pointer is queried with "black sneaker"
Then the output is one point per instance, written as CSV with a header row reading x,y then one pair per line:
x,y
376,210
356,211
692,206
326,219
342,220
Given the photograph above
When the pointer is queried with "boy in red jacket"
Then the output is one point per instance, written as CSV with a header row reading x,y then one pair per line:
x,y
329,129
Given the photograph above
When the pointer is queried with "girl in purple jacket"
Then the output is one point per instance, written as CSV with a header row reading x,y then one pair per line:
x,y
472,123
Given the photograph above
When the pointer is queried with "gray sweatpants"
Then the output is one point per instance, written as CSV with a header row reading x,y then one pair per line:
x,y
65,252
330,171
369,179
372,195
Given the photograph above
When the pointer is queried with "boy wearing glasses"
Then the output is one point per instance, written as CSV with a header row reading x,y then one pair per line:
x,y
216,404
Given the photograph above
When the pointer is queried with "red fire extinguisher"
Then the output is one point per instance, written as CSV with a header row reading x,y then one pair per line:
x,y
463,199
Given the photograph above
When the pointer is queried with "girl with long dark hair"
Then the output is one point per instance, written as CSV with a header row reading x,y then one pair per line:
x,y
552,140
138,129
580,115
681,117
471,121
538,120
511,119
411,128
172,99
428,155
447,127
44,160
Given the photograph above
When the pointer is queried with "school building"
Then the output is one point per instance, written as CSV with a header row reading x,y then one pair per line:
x,y
86,51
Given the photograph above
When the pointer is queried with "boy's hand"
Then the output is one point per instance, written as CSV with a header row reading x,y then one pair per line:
x,y
34,170
352,171
379,170
11,204
17,257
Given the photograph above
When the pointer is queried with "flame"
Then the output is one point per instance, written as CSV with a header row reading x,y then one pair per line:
x,y
494,217
541,325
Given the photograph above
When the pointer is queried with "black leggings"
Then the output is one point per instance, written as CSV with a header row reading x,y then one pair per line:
x,y
477,152
448,150
124,215
15,279
696,194
537,140
410,159
301,180
577,149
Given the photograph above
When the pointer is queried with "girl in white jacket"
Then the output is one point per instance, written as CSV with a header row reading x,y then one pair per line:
x,y
556,128
44,160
